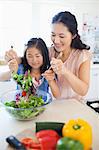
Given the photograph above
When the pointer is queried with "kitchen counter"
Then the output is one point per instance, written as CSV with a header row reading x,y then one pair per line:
x,y
7,86
94,66
4,68
58,110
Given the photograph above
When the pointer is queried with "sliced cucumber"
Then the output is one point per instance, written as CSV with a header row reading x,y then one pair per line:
x,y
57,126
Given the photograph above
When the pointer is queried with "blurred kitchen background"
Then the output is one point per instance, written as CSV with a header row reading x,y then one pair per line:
x,y
22,19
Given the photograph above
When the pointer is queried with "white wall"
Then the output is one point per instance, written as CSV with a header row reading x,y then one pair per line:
x,y
15,24
49,8
42,12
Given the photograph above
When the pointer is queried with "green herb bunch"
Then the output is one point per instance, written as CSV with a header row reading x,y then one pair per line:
x,y
25,82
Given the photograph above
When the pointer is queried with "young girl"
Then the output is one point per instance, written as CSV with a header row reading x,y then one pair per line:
x,y
36,59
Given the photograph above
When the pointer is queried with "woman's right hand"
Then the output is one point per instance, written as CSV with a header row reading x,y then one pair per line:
x,y
13,65
11,54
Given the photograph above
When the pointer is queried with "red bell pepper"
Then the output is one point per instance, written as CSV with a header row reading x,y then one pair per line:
x,y
35,146
48,132
48,143
29,143
48,139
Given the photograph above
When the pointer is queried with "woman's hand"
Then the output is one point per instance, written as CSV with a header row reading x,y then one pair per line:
x,y
57,66
49,75
13,65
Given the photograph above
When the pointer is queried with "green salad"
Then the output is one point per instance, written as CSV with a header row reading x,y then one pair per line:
x,y
24,109
26,103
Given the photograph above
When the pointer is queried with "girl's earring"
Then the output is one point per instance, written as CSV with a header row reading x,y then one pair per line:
x,y
74,36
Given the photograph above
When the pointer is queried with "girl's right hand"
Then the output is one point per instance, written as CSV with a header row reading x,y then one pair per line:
x,y
11,54
13,65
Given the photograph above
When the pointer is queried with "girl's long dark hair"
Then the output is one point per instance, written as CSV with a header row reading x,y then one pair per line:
x,y
41,46
69,20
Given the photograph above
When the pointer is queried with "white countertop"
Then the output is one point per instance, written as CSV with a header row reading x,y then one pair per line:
x,y
7,85
58,110
4,68
95,66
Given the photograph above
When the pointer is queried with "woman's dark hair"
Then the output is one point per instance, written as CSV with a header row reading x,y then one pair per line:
x,y
69,20
41,46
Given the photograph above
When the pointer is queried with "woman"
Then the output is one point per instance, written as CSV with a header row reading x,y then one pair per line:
x,y
73,67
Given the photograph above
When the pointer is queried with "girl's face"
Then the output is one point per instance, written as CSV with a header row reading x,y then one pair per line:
x,y
34,58
61,37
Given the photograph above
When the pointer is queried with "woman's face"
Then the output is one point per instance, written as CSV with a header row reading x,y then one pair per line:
x,y
34,58
61,37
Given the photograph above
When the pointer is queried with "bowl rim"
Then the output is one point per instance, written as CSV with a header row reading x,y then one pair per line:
x,y
3,94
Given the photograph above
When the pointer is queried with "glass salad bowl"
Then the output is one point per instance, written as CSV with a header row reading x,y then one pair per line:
x,y
23,107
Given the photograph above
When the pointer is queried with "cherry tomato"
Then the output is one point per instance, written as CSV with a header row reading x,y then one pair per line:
x,y
23,93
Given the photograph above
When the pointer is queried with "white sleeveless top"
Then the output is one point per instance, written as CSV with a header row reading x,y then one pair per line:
x,y
75,59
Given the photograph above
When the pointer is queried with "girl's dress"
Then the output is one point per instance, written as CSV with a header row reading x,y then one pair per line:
x,y
75,59
44,83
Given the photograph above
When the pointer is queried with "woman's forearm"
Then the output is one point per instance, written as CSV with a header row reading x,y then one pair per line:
x,y
76,84
54,88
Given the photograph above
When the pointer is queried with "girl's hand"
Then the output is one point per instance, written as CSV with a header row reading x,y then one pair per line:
x,y
57,66
49,75
13,65
11,54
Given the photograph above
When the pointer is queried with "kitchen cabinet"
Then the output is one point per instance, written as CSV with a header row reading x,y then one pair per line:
x,y
93,93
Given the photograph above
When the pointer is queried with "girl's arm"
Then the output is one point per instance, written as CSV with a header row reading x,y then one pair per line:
x,y
50,77
79,84
5,76
13,66
11,54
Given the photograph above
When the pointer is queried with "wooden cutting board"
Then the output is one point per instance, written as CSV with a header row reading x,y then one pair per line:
x,y
25,133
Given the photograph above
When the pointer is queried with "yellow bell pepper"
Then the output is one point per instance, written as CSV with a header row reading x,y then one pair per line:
x,y
79,130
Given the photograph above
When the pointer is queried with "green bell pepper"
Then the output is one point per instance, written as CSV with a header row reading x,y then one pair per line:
x,y
67,143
